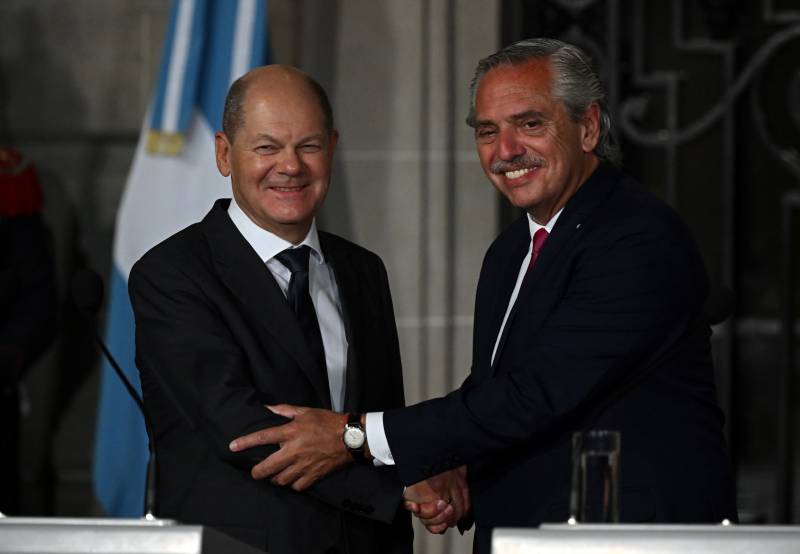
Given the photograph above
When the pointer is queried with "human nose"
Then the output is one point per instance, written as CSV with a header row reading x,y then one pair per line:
x,y
290,163
508,147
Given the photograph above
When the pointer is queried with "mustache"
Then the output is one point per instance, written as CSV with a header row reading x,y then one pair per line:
x,y
523,161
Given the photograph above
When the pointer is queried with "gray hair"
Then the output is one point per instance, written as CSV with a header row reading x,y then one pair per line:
x,y
575,82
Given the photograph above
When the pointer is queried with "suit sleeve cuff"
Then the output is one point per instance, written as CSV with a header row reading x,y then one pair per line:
x,y
376,438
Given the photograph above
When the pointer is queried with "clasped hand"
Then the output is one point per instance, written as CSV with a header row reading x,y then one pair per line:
x,y
311,447
441,501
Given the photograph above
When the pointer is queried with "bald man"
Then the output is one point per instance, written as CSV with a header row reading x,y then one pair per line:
x,y
254,306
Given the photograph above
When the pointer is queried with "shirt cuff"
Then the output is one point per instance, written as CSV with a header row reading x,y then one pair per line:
x,y
376,439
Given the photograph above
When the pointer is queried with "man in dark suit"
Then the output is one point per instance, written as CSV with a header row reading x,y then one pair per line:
x,y
217,341
588,315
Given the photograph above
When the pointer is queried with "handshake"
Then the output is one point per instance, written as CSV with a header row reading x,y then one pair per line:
x,y
441,501
311,447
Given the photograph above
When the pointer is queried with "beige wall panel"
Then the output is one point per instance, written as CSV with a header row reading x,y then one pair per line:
x,y
377,69
382,198
476,223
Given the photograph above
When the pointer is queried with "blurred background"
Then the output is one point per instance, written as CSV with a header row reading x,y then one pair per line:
x,y
706,98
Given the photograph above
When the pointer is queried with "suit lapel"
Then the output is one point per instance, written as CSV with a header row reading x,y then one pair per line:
x,y
347,284
568,228
571,224
509,275
503,284
250,281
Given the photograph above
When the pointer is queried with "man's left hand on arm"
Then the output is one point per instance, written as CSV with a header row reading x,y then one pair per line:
x,y
311,446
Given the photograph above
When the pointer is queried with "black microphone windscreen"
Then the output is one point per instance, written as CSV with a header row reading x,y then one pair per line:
x,y
87,291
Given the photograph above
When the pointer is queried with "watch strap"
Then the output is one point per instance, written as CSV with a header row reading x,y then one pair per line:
x,y
354,420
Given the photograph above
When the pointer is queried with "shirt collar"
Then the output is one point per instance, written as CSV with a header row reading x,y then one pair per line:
x,y
267,245
533,226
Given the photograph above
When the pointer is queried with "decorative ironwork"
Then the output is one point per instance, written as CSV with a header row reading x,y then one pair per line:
x,y
633,107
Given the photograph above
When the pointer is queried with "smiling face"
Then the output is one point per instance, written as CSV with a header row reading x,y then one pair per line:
x,y
279,159
529,147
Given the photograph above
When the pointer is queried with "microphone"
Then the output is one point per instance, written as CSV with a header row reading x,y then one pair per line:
x,y
87,295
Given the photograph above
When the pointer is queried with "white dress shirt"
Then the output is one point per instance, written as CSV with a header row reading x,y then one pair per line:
x,y
376,436
321,286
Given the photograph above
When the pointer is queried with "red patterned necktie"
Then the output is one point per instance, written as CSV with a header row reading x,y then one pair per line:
x,y
536,246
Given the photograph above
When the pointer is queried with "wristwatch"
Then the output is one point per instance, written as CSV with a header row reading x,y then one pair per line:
x,y
354,436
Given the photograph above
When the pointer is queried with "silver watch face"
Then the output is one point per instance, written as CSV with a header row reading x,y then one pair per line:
x,y
353,438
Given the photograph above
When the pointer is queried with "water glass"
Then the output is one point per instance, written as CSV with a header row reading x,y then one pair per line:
x,y
594,497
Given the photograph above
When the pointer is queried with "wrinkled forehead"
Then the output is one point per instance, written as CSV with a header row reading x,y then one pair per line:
x,y
285,101
282,89
511,88
536,72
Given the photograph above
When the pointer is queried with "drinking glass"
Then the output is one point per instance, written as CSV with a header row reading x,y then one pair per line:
x,y
594,497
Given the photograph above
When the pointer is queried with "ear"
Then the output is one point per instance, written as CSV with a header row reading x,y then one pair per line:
x,y
222,150
590,128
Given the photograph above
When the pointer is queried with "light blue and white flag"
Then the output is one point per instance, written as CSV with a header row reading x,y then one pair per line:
x,y
173,183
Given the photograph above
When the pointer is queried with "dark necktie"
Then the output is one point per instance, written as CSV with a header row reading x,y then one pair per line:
x,y
296,260
536,246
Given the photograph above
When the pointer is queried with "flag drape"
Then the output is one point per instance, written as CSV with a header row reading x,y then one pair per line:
x,y
172,183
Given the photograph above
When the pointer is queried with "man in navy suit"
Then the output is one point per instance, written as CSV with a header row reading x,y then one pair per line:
x,y
588,314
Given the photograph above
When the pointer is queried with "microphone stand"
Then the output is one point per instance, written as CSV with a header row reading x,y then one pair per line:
x,y
87,296
150,480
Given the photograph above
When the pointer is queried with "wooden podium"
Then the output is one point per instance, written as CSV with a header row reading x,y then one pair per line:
x,y
652,539
29,535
